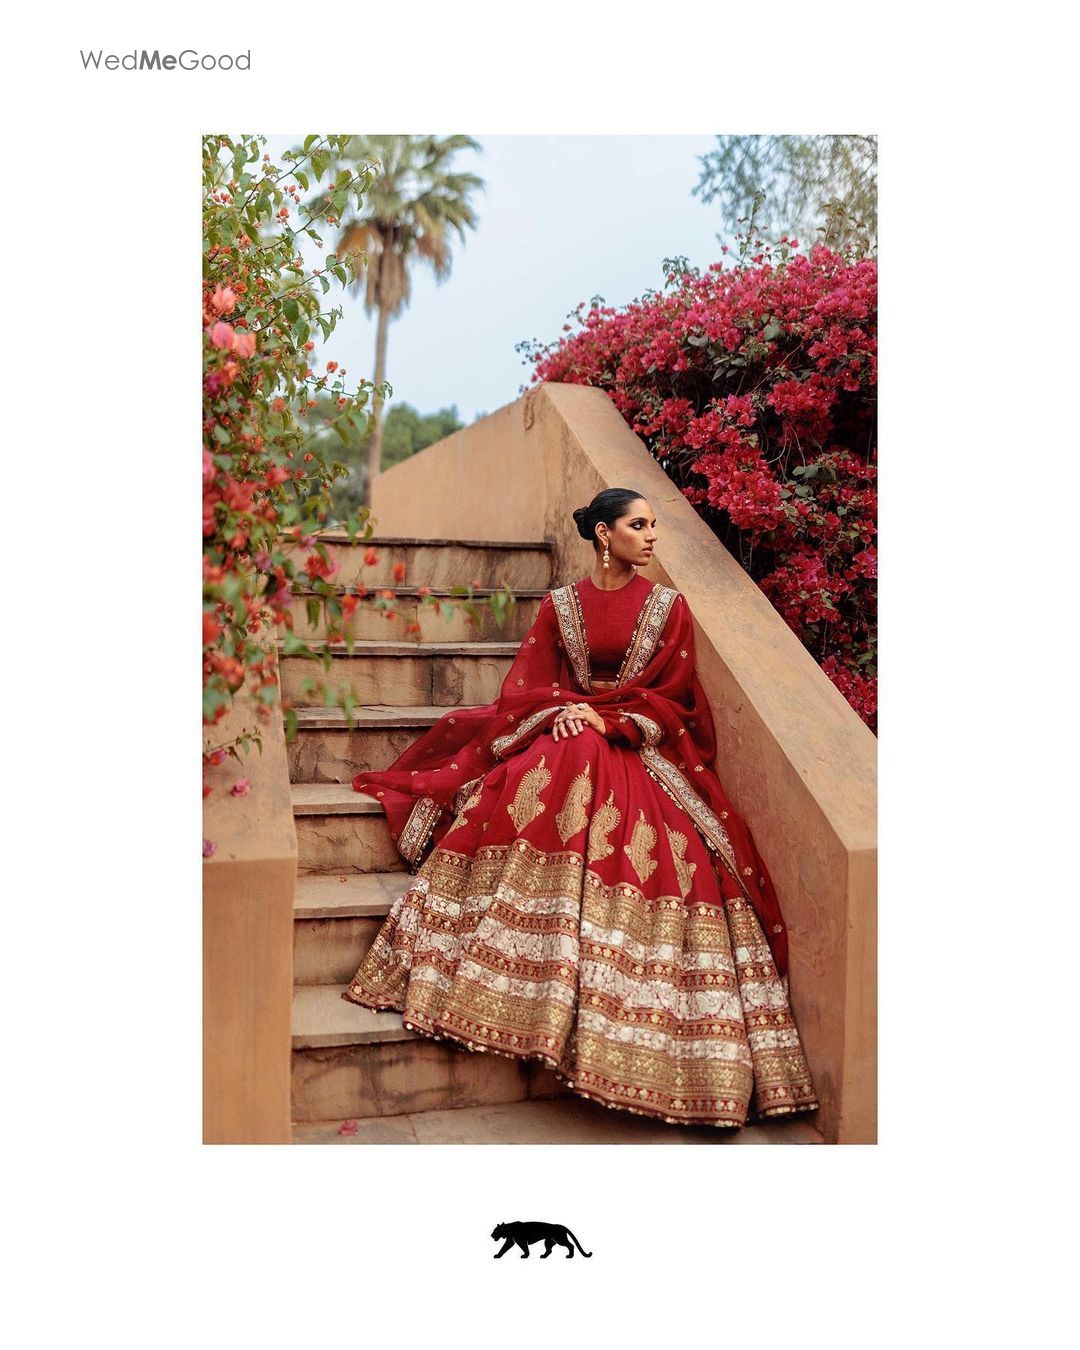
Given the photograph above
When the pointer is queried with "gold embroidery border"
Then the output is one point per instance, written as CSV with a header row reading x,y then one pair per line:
x,y
652,733
503,743
572,627
417,829
697,808
464,793
650,624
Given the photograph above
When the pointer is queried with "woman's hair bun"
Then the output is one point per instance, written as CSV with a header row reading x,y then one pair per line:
x,y
606,506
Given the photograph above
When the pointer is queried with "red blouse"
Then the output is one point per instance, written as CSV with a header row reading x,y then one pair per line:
x,y
610,619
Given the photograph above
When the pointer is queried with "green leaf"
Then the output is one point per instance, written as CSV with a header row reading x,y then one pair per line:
x,y
302,179
309,141
291,309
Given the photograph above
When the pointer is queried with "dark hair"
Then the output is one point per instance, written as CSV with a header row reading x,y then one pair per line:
x,y
607,506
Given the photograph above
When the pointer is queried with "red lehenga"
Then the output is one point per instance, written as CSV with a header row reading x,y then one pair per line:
x,y
594,902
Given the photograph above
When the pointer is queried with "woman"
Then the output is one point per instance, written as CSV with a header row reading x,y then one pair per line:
x,y
590,898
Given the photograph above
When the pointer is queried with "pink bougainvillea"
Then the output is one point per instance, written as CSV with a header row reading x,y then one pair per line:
x,y
755,388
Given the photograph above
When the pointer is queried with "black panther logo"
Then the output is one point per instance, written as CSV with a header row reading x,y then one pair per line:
x,y
524,1234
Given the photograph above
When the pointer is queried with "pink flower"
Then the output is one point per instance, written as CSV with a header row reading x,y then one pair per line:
x,y
223,299
209,848
244,344
222,334
347,1127
241,787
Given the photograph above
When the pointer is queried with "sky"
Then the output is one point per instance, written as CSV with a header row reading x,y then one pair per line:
x,y
560,219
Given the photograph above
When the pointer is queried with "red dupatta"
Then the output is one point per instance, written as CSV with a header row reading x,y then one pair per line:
x,y
657,689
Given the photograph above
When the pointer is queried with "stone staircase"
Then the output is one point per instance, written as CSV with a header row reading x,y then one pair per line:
x,y
349,1063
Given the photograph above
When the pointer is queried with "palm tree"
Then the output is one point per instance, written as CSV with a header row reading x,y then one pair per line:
x,y
413,203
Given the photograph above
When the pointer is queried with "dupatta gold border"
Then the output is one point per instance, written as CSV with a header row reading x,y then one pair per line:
x,y
650,624
501,744
417,829
572,628
651,732
697,808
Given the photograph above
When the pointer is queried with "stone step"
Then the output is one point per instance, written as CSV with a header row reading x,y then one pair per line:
x,y
440,562
560,1120
332,895
327,750
372,624
322,1018
336,919
443,674
350,1061
341,831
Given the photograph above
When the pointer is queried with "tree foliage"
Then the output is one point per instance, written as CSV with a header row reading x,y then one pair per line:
x,y
824,186
406,432
267,464
416,202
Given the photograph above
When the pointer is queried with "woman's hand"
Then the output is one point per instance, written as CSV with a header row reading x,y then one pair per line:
x,y
573,719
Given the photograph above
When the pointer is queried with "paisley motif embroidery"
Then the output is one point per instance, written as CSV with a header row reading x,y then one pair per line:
x,y
467,805
527,805
573,816
642,842
684,870
604,820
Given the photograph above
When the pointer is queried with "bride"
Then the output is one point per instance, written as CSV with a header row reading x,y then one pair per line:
x,y
589,896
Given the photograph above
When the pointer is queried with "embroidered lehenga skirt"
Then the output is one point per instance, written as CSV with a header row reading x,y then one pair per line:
x,y
573,914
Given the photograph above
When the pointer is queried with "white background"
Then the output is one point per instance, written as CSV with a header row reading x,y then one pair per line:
x,y
125,1227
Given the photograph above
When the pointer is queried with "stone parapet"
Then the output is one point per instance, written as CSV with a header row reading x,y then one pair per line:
x,y
248,891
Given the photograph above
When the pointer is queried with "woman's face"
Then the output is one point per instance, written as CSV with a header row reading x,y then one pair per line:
x,y
633,535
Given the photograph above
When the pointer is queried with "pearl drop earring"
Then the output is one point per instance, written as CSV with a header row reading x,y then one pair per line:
x,y
605,554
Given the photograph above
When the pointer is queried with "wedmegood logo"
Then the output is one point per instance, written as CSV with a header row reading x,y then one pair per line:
x,y
155,60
